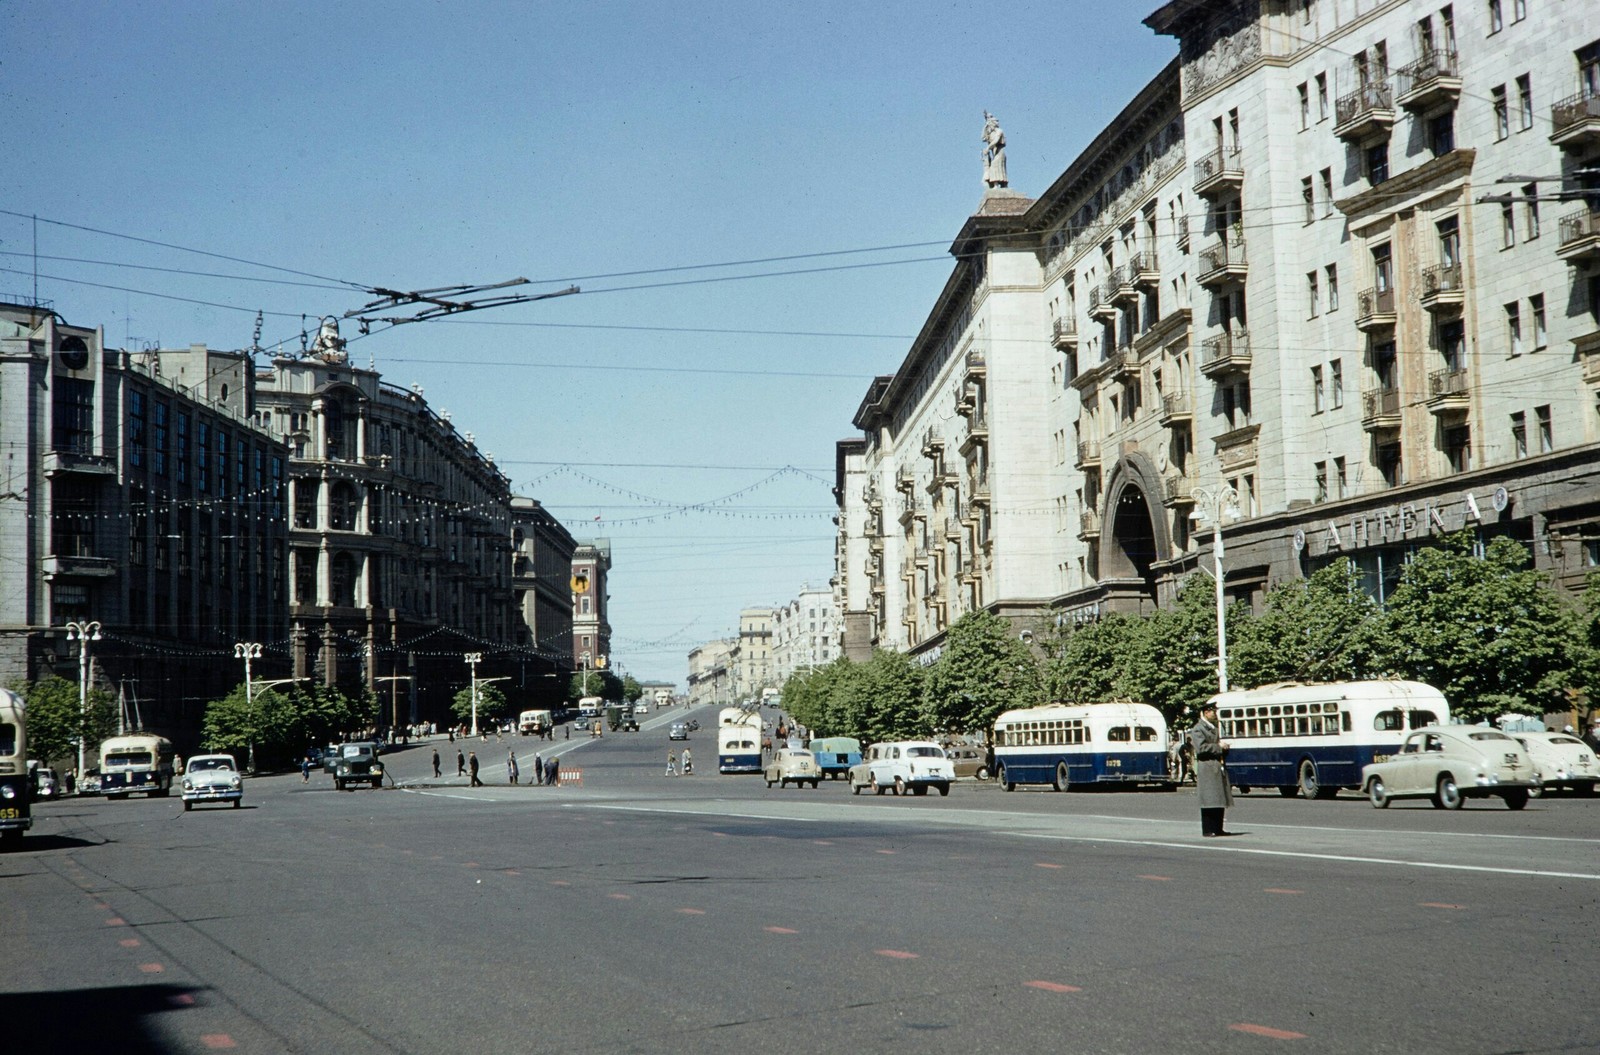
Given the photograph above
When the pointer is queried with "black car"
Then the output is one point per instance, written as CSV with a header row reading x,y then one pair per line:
x,y
357,764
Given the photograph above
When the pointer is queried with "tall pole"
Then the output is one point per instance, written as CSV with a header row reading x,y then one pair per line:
x,y
248,650
83,633
1220,502
473,659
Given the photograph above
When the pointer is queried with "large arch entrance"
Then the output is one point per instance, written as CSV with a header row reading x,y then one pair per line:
x,y
1137,536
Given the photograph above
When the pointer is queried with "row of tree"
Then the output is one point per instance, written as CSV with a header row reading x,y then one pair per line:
x,y
1473,619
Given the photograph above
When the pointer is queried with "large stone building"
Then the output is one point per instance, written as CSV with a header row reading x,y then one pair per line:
x,y
710,673
591,604
1291,285
805,633
542,551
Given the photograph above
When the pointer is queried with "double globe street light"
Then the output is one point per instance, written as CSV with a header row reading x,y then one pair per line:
x,y
83,633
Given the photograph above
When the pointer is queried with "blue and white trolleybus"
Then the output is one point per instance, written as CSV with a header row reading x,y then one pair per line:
x,y
1066,744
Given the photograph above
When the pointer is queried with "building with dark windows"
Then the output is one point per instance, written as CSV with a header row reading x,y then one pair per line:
x,y
591,625
541,573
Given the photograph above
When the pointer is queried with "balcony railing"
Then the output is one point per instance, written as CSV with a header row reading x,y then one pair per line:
x,y
1064,333
1177,490
1365,113
1442,287
1447,389
1225,353
977,363
1175,408
1088,454
1100,306
1579,235
1223,261
1375,308
1088,524
1380,409
1217,171
1575,120
1434,80
1142,270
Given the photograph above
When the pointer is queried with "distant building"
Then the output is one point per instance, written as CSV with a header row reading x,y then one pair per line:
x,y
805,633
751,658
591,625
710,674
541,576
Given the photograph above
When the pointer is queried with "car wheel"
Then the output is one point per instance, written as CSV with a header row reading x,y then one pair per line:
x,y
1378,793
814,785
338,785
1061,781
1003,778
769,783
1516,798
899,786
879,788
944,789
1536,793
855,789
1446,795
187,805
982,773
237,803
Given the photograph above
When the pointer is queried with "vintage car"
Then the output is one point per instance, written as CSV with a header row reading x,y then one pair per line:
x,y
46,784
357,764
679,731
1562,760
792,764
836,754
968,760
905,766
1450,764
211,778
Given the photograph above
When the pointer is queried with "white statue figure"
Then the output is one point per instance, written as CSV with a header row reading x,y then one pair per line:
x,y
328,342
994,152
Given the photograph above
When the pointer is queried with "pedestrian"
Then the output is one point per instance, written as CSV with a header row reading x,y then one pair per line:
x,y
1210,772
512,773
461,763
305,768
1593,739
672,763
436,763
688,763
472,770
451,732
538,770
552,771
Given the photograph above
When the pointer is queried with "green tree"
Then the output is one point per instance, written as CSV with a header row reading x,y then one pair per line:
x,y
601,683
491,704
631,689
1093,662
983,670
883,701
1585,676
56,721
1177,667
1316,629
1488,631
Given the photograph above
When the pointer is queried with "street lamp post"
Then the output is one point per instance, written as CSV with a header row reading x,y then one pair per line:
x,y
83,633
1222,502
472,660
248,650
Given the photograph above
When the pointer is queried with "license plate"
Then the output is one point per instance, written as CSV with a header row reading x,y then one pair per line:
x,y
1113,763
10,814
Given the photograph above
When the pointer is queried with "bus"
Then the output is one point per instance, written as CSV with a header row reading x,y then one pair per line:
x,y
772,697
136,762
590,707
738,741
1312,739
16,788
1070,744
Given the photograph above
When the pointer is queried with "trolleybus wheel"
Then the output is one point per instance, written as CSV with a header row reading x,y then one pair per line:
x,y
1004,778
1061,782
1309,787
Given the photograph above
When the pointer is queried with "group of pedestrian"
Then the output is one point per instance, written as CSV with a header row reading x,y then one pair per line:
x,y
672,763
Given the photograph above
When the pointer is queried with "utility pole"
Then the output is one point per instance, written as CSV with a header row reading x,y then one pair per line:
x,y
472,660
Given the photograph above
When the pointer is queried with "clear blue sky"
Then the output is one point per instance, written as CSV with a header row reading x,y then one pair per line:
x,y
418,144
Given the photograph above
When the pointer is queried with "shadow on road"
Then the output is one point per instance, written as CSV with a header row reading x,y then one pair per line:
x,y
84,1020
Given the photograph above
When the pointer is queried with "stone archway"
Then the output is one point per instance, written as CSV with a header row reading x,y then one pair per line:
x,y
1136,535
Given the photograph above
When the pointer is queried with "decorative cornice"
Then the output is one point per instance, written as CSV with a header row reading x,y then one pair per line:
x,y
1425,177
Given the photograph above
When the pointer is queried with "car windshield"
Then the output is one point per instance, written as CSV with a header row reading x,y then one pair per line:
x,y
924,752
356,750
1570,741
200,765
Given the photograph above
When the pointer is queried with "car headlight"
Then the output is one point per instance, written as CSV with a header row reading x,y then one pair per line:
x,y
377,767
7,792
187,785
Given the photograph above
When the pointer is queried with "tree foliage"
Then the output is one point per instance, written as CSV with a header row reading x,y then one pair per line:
x,y
282,725
985,669
1314,629
55,720
492,704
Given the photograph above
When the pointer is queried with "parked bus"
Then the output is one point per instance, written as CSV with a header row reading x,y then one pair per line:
x,y
738,741
136,762
1067,744
16,787
1313,739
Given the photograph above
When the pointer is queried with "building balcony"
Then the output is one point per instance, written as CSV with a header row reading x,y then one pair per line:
x,y
1177,491
1089,376
1222,263
1064,333
977,365
1100,307
1587,348
952,528
65,566
1441,288
1176,409
1088,525
1226,353
872,498
932,443
979,490
1380,409
1575,122
1430,84
967,401
1143,272
1580,237
1218,173
1365,114
875,544
1124,294
977,433
65,463
1375,309
1122,362
904,480
1088,456
1448,392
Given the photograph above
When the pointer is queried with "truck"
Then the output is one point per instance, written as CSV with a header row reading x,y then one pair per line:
x,y
536,723
620,717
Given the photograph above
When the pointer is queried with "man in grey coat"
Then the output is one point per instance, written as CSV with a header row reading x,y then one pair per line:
x,y
1210,776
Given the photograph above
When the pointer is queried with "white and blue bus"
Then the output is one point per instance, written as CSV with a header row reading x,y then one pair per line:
x,y
738,741
1313,739
1068,744
16,786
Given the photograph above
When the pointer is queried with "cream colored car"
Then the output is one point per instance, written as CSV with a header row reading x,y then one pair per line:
x,y
1450,764
793,764
1563,761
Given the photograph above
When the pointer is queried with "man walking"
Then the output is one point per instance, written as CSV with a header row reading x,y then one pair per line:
x,y
511,768
472,770
1210,775
436,763
461,763
538,770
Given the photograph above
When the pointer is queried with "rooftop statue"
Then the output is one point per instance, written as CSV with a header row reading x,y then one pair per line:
x,y
994,152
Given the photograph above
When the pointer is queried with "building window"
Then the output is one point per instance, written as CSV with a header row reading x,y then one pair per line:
x,y
202,456
1541,335
1322,96
1382,273
1390,465
1514,328
1305,106
1519,10
158,438
1308,199
1496,19
1453,343
1327,192
1524,102
1458,448
72,423
1442,133
1333,287
136,428
1449,230
1312,297
1317,393
1530,210
1508,226
1377,162
1339,478
1519,435
181,454
1336,383
1322,482
1502,118
1546,436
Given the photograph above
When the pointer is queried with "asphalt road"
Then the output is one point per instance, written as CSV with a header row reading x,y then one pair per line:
x,y
637,913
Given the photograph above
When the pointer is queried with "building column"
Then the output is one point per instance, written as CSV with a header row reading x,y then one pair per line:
x,y
319,432
324,575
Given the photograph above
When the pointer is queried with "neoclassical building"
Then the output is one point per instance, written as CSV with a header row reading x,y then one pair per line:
x,y
1293,287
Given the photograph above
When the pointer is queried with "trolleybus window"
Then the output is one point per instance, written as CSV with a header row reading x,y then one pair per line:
x,y
8,738
129,758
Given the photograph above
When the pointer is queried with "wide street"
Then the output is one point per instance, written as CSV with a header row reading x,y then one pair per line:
x,y
637,913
